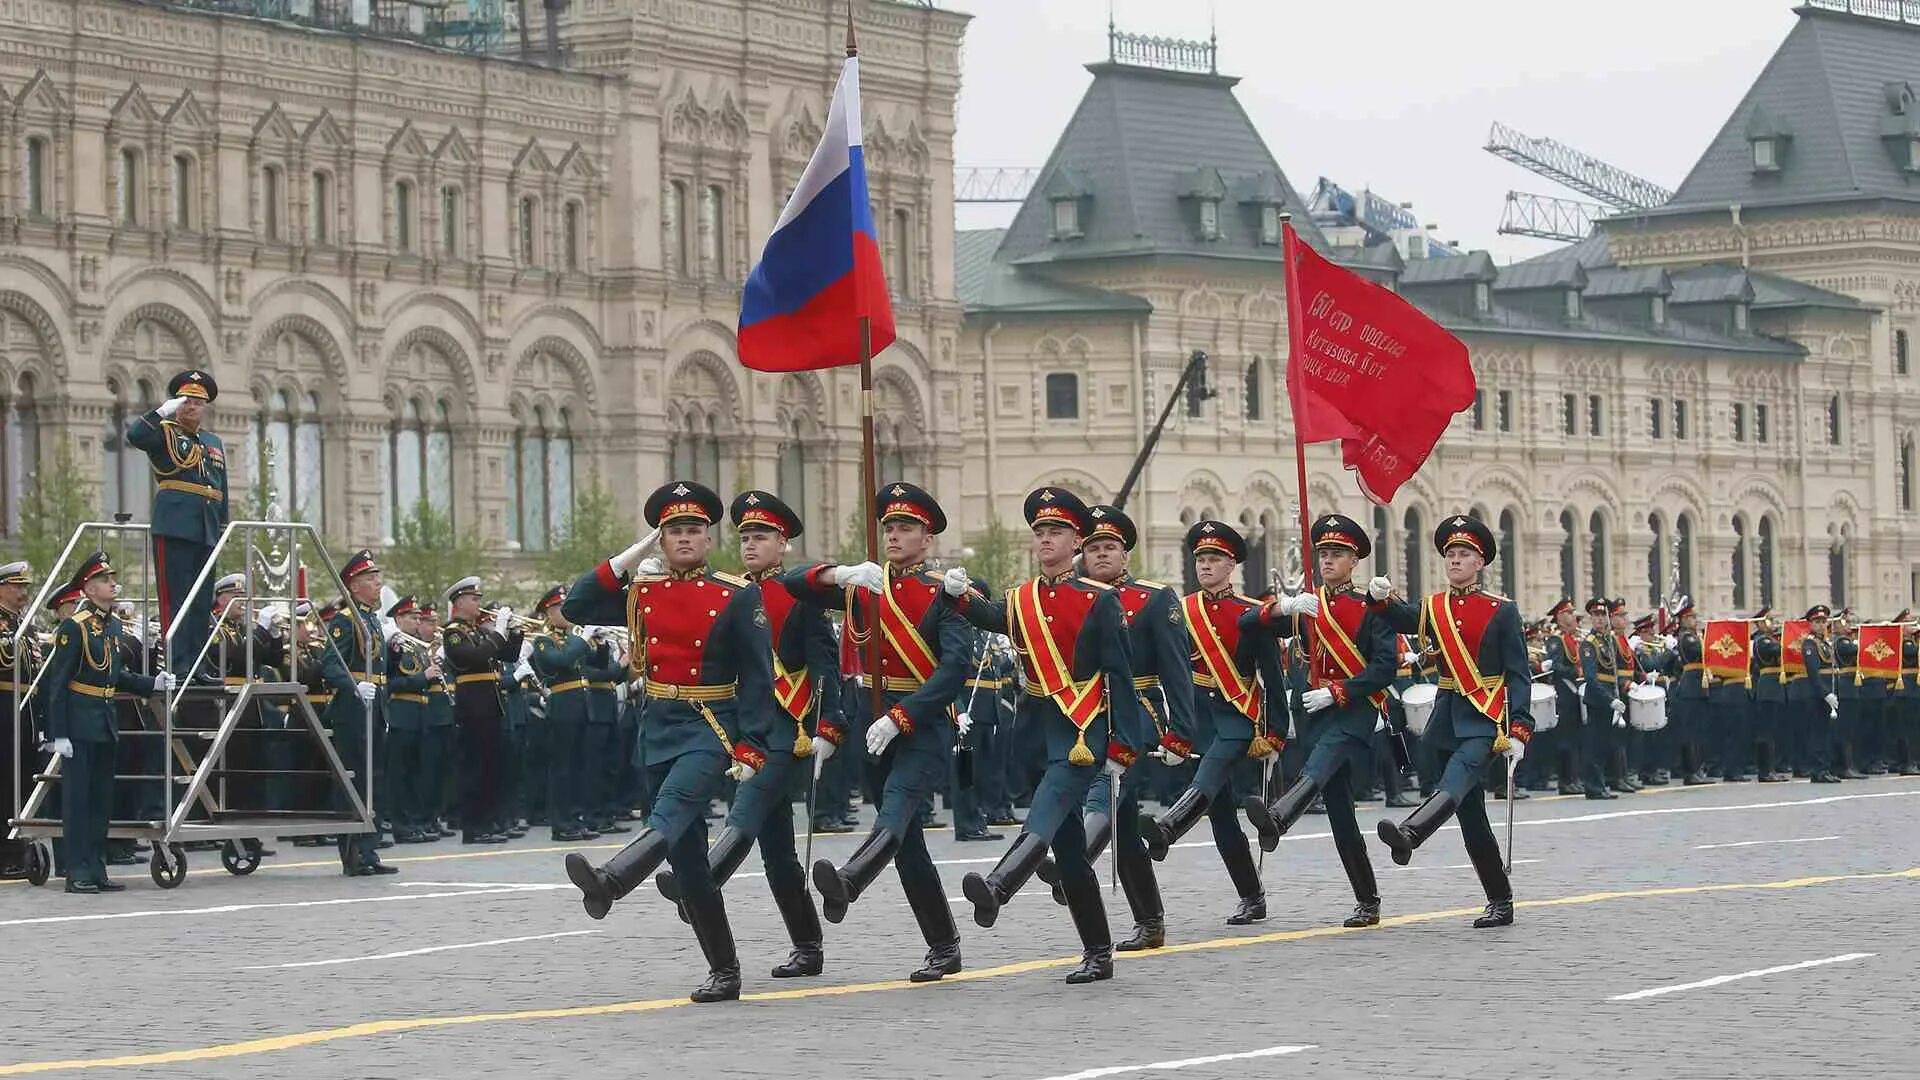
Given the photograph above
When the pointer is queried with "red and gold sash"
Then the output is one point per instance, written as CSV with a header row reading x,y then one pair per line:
x,y
1242,693
1333,643
1487,692
903,637
1047,666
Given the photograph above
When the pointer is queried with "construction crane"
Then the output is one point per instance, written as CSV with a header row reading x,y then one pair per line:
x,y
1546,217
993,183
1617,188
1332,206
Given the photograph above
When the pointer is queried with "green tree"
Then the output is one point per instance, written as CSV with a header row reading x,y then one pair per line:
x,y
58,497
596,530
999,557
853,542
429,554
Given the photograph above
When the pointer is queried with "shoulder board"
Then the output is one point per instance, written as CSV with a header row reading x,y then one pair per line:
x,y
453,634
1091,583
1247,600
1150,586
1496,597
648,577
734,580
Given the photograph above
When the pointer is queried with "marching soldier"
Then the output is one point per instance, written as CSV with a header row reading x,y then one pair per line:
x,y
559,656
189,503
1654,749
803,647
411,669
1163,683
84,672
1563,664
1606,710
508,670
1072,634
701,641
1482,709
356,667
1351,662
16,747
1626,674
472,645
923,650
1238,691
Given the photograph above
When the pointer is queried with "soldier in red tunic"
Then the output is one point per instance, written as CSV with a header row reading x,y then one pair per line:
x,y
1483,706
700,638
1070,632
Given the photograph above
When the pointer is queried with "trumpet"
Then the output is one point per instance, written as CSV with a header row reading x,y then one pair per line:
x,y
524,622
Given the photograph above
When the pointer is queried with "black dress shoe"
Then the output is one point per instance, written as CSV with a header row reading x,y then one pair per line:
x,y
978,834
807,959
1399,801
1096,965
832,827
1365,913
567,836
1852,774
110,885
942,960
483,838
1498,913
720,986
1824,777
1252,909
614,827
1603,793
87,887
1147,934
1572,789
381,869
357,869
1008,822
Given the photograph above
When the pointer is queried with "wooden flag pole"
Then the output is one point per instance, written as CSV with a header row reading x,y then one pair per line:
x,y
870,483
1289,239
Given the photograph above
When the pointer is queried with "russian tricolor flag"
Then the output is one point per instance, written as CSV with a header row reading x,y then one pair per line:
x,y
821,271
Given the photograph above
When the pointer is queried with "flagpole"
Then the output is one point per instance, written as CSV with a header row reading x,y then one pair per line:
x,y
870,482
1289,240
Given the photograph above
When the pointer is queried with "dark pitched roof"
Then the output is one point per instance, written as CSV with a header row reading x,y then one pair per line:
x,y
1141,140
1450,270
1592,253
1591,326
1556,274
983,283
1627,281
1715,283
1825,88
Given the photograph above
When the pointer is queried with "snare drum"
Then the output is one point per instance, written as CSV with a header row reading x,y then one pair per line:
x,y
1545,711
1417,702
1647,707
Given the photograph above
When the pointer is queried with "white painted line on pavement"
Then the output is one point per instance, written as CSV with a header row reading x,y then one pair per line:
x,y
1611,815
1183,1063
227,909
1452,866
536,886
1756,843
1639,995
417,952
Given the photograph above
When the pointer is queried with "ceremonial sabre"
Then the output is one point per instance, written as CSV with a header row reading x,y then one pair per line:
x,y
813,775
1510,770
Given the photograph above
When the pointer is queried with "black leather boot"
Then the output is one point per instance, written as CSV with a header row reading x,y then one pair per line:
x,y
1272,820
988,894
1498,913
803,929
724,856
601,886
942,937
1366,890
1403,838
1143,898
1099,829
1096,941
1245,875
1161,833
839,888
715,934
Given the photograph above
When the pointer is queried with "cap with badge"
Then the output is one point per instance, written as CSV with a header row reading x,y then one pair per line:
x,y
765,510
683,502
69,594
1112,523
193,384
1467,531
359,563
1056,506
1565,603
405,605
1616,606
550,598
1686,609
229,583
1819,611
466,586
1217,537
95,565
901,501
1339,530
16,573
1597,606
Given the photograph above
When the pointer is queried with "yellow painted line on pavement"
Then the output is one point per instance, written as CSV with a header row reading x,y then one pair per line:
x,y
300,1039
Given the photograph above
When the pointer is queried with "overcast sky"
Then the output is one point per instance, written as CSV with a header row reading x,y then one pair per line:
x,y
1396,95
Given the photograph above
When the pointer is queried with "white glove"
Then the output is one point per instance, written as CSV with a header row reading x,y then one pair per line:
x,y
61,747
1619,707
365,691
1380,722
503,616
866,575
389,630
273,620
1516,750
652,566
1317,699
1619,721
881,732
164,682
594,633
625,562
1672,642
1833,701
1410,659
1649,678
1305,603
1166,757
740,771
1380,587
522,670
822,750
956,581
171,406
963,723
1112,771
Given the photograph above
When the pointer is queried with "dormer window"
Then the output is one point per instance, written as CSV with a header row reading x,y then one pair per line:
x,y
1900,127
1573,303
1766,155
1269,224
1066,217
1205,189
1264,195
1068,193
1740,317
1482,297
1768,137
1209,220
1659,311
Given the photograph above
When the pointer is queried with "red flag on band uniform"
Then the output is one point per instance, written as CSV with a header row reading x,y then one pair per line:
x,y
1728,649
1369,369
1879,652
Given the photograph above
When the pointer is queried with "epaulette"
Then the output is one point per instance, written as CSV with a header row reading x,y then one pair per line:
x,y
647,578
1084,580
1151,586
734,580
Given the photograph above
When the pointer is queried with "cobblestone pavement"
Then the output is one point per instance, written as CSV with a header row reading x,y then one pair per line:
x,y
240,977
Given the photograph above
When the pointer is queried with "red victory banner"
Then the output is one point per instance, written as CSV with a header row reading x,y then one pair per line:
x,y
1368,369
1728,645
1792,633
1879,651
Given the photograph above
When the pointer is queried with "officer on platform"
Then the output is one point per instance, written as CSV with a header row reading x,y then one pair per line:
x,y
472,645
189,503
356,669
708,662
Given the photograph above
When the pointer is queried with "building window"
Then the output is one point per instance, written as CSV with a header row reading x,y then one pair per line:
x,y
678,248
713,231
530,469
403,211
452,222
1833,420
1250,388
1573,304
1066,218
1739,422
693,447
1659,311
287,447
1765,156
273,200
126,480
1570,414
1683,552
527,231
1679,419
1656,553
1759,422
791,474
437,463
1063,395
406,458
1209,220
1593,415
1597,552
1903,473
1269,224
1740,317
890,453
1197,392
560,475
19,449
1482,297
1379,531
320,208
1899,352
1656,418
570,236
1503,410
1509,553
1737,565
1837,572
902,269
36,178
182,191
131,179
1763,558
1479,410
1417,541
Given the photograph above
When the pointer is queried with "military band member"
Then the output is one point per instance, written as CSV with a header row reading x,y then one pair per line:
x,y
1773,761
1846,684
1071,633
84,672
559,657
508,669
1482,708
356,669
443,733
803,647
1351,662
1563,666
923,648
189,502
1820,700
1906,704
1687,699
1606,709
16,747
411,668
1627,674
1163,683
472,645
700,638
1237,701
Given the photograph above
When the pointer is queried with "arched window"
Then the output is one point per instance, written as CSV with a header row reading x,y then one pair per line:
x,y
1738,564
309,464
1509,553
19,446
113,452
678,247
1763,558
713,231
286,448
453,222
707,462
1569,586
570,236
1837,570
276,450
320,208
437,462
1683,551
1656,560
526,228
406,447
890,458
1253,571
680,447
403,212
132,187
273,201
1416,541
792,475
1903,473
530,469
1597,551
1250,388
560,475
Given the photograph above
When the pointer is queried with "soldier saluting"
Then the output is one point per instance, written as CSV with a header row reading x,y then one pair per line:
x,y
189,503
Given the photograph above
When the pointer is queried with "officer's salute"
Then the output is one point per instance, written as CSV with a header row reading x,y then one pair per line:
x,y
189,502
700,638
